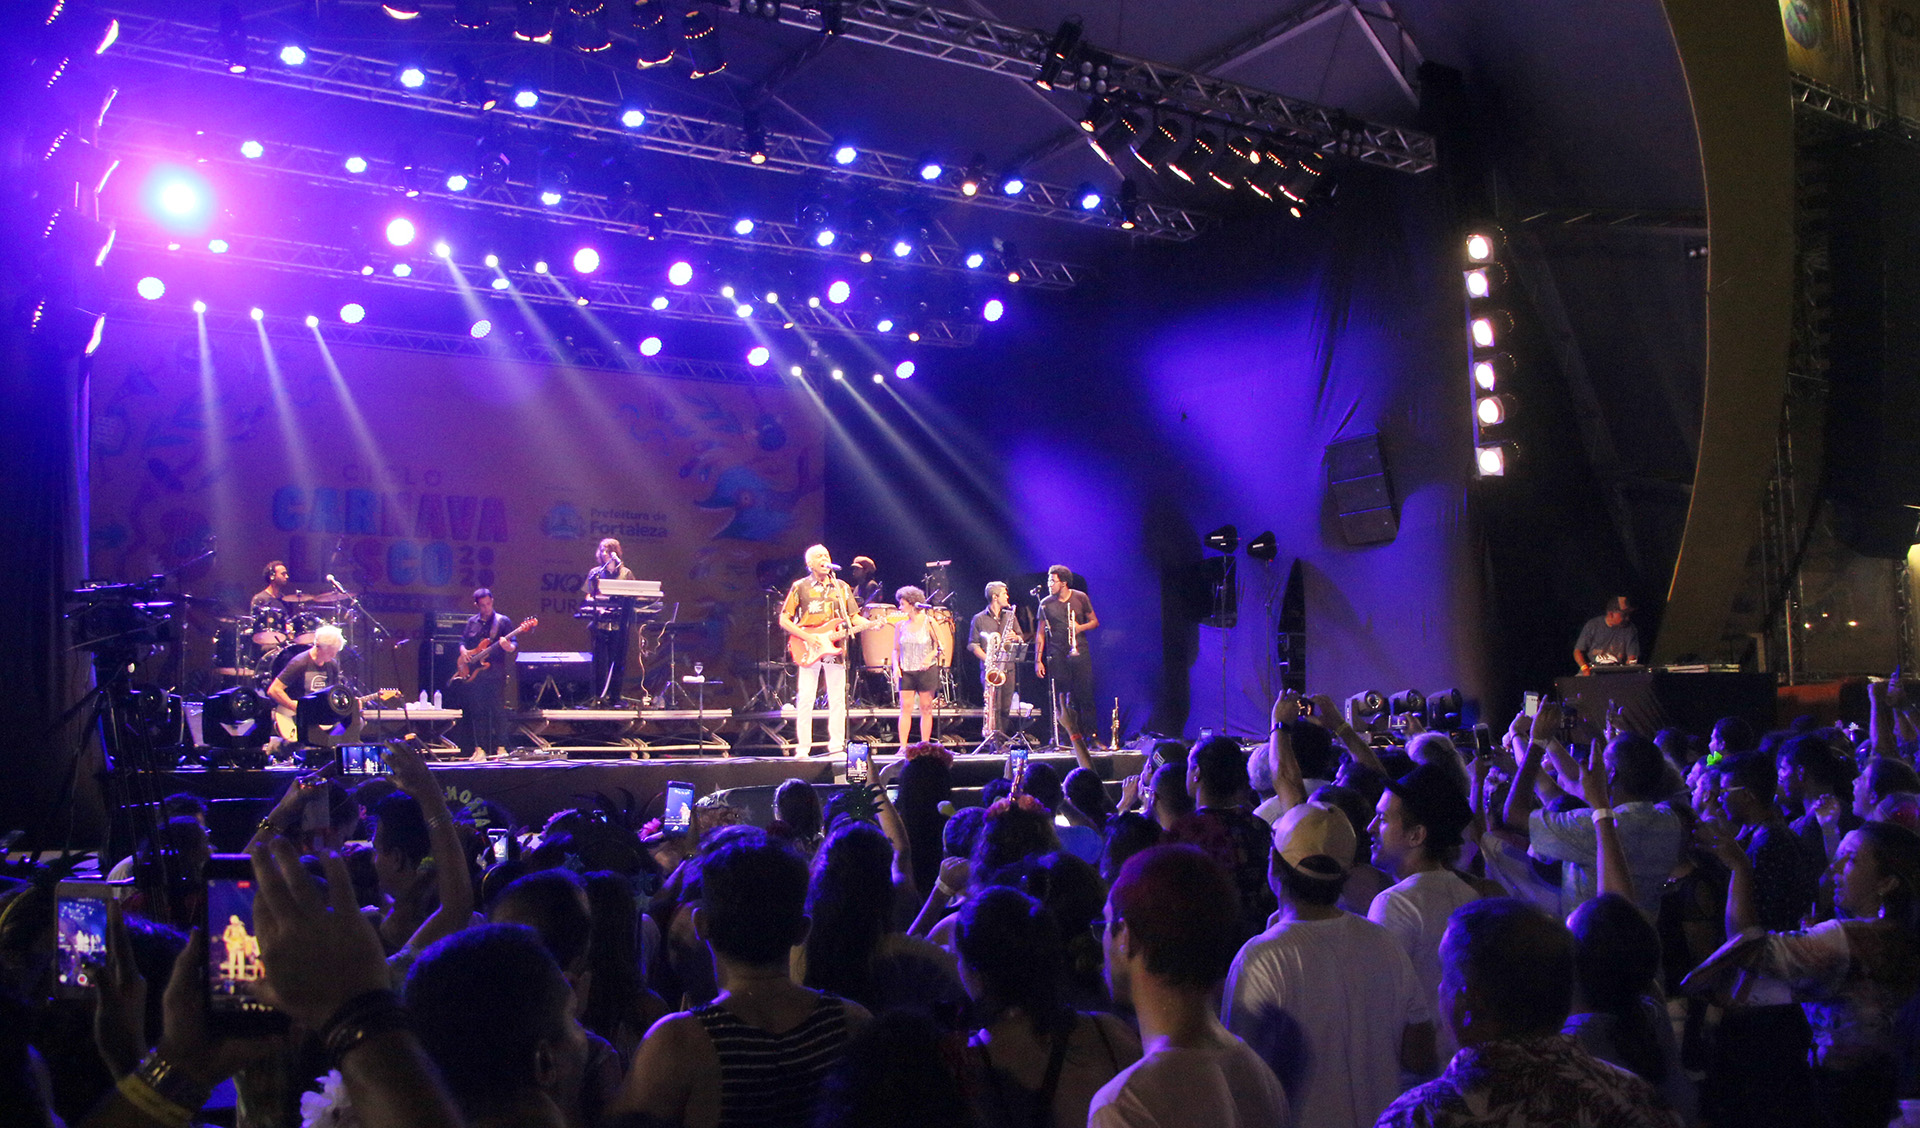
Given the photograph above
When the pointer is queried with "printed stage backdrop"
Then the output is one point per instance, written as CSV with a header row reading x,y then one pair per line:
x,y
416,478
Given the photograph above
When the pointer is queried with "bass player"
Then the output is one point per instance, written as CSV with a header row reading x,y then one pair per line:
x,y
820,615
483,706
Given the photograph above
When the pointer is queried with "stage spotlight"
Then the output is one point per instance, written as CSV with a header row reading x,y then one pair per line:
x,y
1478,284
551,197
471,14
1489,371
633,117
651,34
233,39
753,138
1444,709
456,182
844,153
1088,197
743,226
994,310
659,302
929,167
257,313
312,321
903,370
400,231
1129,205
442,250
1162,143
1488,328
491,262
879,378
839,374
650,346
540,266
824,237
402,270
586,260
902,247
758,355
771,297
975,260
150,288
1012,184
1410,702
1364,709
838,292
526,97
352,313
252,150
201,307
1263,547
217,246
402,9
1479,248
1224,539
727,291
1491,411
1201,152
293,55
1060,50
500,283
533,21
743,310
579,299
356,165
884,325
480,329
1490,461
703,44
179,198
796,371
412,77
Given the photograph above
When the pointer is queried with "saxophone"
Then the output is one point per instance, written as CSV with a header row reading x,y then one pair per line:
x,y
996,654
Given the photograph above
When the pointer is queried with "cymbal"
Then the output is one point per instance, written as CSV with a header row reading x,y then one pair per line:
x,y
325,597
201,600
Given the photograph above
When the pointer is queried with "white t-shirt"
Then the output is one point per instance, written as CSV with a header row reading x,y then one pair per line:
x,y
1415,910
1224,1087
1324,1003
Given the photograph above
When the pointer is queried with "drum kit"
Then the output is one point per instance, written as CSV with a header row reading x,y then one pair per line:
x,y
257,646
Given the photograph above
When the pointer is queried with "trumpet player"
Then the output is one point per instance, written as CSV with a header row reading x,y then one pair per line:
x,y
1065,618
995,639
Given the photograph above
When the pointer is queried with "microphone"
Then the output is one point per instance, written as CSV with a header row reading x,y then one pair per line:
x,y
833,567
945,807
336,584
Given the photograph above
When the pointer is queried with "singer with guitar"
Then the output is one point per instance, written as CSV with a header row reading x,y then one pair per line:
x,y
313,670
486,654
612,626
820,616
1065,618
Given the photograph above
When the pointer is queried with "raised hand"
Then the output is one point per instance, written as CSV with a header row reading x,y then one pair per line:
x,y
1286,708
1593,780
317,950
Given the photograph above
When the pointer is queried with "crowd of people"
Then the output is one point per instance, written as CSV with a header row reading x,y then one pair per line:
x,y
1578,926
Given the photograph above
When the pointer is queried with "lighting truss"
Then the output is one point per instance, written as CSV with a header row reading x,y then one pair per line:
x,y
170,43
529,348
431,275
133,137
930,32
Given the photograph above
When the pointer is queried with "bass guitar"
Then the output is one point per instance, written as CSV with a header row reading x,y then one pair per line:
x,y
479,658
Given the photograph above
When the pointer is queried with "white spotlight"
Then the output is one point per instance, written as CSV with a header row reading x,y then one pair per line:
x,y
257,313
480,329
352,313
150,288
650,346
312,321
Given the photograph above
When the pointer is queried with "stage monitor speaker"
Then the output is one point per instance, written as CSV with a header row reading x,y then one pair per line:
x,y
1873,399
439,658
1361,491
1882,531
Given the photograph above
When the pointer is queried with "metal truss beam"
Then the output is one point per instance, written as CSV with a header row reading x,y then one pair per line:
x,y
170,43
983,44
433,276
529,348
1671,221
1835,106
326,167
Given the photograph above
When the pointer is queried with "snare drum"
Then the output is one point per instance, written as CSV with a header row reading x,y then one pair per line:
x,y
876,643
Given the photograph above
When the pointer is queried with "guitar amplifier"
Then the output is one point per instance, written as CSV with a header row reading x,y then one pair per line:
x,y
444,624
554,679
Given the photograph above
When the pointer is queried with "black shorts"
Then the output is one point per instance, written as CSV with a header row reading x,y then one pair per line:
x,y
920,681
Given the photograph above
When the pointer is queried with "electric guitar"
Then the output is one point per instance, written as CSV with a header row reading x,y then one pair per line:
x,y
810,648
341,700
472,662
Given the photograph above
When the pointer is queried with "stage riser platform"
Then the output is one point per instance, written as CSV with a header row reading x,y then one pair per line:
x,y
532,792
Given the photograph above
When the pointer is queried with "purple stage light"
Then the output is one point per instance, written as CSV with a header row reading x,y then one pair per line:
x,y
903,370
586,260
352,313
1012,185
650,347
680,273
994,310
178,198
400,231
839,292
758,355
150,288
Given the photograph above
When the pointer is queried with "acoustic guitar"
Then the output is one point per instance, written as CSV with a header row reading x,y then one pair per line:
x,y
480,657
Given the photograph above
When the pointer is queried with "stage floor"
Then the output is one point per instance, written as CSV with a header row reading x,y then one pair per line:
x,y
532,790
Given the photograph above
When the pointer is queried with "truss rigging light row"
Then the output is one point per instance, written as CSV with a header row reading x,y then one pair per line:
x,y
170,43
547,289
314,165
528,347
972,41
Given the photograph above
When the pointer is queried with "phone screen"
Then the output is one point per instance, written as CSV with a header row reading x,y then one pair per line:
x,y
364,759
679,814
233,948
1532,706
859,760
497,843
81,909
1482,740
1017,760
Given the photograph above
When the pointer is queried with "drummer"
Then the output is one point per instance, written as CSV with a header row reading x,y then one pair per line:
x,y
273,607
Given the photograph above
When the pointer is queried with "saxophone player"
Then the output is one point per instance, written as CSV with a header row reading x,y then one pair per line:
x,y
994,638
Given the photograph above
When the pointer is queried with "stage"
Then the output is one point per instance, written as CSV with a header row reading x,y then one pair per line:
x,y
532,790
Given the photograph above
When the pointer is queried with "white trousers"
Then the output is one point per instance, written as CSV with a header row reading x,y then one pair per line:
x,y
836,707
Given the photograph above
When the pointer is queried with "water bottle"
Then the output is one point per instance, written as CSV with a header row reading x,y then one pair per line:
x,y
436,699
423,697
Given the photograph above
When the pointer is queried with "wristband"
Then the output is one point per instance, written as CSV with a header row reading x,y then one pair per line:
x,y
152,1105
161,1078
364,1016
1602,814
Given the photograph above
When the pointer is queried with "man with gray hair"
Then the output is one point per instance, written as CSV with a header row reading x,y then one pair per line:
x,y
994,638
313,670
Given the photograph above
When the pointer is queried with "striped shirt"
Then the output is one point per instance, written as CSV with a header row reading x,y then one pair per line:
x,y
774,1080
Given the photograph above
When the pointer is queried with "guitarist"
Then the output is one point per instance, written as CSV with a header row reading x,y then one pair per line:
x,y
313,670
483,709
820,614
